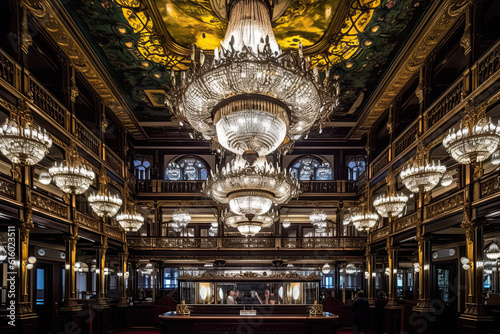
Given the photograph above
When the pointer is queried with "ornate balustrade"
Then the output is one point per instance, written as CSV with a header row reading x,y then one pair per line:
x,y
443,105
113,161
7,69
43,99
489,64
86,137
335,243
379,162
406,139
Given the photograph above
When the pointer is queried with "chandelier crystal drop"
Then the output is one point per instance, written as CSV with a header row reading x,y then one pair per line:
x,y
390,205
422,176
131,222
181,217
493,251
251,189
103,203
252,98
472,142
21,141
364,222
72,176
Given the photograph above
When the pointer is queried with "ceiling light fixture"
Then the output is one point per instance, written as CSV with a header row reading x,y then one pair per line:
x,y
493,251
103,203
130,221
390,204
181,217
72,175
21,141
476,138
422,175
252,98
251,189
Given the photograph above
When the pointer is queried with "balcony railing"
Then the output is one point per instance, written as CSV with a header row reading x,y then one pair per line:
x,y
195,187
334,243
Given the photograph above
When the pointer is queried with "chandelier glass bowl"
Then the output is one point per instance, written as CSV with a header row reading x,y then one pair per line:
x,y
131,222
364,222
251,97
251,189
476,143
493,251
25,143
249,228
422,177
105,204
390,205
326,268
350,269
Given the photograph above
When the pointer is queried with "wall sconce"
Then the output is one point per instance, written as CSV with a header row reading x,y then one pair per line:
x,y
387,271
119,274
126,274
367,275
465,263
30,263
416,267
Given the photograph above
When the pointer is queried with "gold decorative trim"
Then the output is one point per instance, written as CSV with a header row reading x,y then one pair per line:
x,y
442,21
250,275
50,18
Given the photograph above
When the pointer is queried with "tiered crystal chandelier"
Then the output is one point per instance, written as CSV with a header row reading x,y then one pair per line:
x,y
390,204
252,98
103,203
181,218
251,190
131,221
326,268
422,175
364,220
476,138
21,141
249,226
319,220
72,175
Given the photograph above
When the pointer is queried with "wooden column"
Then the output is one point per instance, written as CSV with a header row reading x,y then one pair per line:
x,y
343,265
101,279
70,298
123,278
392,256
425,275
371,265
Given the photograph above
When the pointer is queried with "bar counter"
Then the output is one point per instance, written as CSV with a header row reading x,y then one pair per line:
x,y
218,320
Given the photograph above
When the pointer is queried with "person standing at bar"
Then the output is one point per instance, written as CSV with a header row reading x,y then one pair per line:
x,y
360,312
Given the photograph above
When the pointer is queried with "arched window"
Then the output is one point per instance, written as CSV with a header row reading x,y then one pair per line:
x,y
356,166
142,169
312,169
186,169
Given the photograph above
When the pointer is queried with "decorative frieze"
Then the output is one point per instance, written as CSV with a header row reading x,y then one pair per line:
x,y
112,232
7,189
49,206
490,187
87,221
453,202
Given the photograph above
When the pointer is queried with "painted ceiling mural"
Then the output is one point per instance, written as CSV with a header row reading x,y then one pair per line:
x,y
142,41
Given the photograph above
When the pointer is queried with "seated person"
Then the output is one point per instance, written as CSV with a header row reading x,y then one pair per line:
x,y
231,297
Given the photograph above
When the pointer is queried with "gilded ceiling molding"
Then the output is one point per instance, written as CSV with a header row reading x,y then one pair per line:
x,y
50,18
442,21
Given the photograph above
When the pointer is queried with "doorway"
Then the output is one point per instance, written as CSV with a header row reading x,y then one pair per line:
x,y
42,295
445,295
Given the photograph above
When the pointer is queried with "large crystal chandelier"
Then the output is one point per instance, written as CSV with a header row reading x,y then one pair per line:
x,y
252,97
364,220
493,251
350,269
422,175
251,189
390,204
21,141
181,218
103,203
475,139
130,221
72,175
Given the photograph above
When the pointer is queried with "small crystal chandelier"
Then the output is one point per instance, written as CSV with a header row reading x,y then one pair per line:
x,y
21,141
252,98
103,203
181,217
326,268
130,221
364,220
390,204
493,251
212,231
319,219
251,189
72,176
475,139
422,175
350,269
286,223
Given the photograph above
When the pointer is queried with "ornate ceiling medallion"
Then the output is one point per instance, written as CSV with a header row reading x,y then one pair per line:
x,y
252,98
